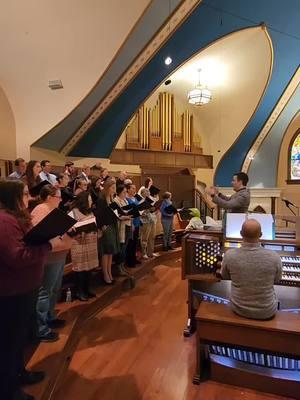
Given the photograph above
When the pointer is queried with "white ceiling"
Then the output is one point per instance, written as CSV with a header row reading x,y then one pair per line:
x,y
71,40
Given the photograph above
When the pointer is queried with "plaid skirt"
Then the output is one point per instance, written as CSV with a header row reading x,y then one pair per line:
x,y
84,252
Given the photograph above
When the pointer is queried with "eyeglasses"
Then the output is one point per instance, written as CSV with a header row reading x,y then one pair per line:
x,y
58,197
26,194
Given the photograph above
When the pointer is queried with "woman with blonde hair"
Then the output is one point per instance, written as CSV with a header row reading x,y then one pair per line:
x,y
109,242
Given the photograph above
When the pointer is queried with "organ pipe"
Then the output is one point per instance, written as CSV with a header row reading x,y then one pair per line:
x,y
165,121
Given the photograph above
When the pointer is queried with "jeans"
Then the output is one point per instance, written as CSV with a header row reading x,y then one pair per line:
x,y
167,225
48,294
16,314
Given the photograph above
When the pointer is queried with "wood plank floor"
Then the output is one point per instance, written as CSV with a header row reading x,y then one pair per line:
x,y
134,349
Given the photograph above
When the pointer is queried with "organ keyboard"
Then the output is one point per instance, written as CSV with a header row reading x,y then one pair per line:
x,y
202,252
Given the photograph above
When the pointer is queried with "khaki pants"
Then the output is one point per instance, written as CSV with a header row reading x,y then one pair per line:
x,y
147,238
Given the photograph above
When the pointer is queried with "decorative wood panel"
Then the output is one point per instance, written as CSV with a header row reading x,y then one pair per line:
x,y
161,158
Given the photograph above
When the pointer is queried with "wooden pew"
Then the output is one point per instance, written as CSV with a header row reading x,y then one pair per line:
x,y
217,325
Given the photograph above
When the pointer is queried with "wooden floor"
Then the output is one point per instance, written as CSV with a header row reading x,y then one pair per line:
x,y
134,349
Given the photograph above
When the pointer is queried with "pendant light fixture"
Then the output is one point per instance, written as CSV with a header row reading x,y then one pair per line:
x,y
200,95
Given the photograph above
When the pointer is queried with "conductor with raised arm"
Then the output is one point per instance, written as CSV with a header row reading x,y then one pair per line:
x,y
239,201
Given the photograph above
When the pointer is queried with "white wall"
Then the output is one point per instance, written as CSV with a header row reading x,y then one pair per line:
x,y
7,129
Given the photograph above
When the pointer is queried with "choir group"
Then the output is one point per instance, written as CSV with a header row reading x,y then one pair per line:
x,y
114,223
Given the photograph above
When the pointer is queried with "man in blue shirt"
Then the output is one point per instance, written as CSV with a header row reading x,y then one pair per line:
x,y
45,175
20,165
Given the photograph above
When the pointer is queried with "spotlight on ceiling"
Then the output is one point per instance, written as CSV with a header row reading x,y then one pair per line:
x,y
168,60
168,81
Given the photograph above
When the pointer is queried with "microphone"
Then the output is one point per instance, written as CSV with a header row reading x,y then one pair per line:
x,y
288,203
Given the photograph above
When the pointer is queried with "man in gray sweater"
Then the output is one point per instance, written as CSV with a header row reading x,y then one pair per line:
x,y
239,201
253,271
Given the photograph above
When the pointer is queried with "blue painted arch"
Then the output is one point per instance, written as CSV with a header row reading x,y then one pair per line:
x,y
205,25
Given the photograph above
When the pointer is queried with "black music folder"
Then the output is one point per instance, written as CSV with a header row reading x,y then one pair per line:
x,y
121,210
138,197
35,190
54,224
171,209
107,216
154,191
67,195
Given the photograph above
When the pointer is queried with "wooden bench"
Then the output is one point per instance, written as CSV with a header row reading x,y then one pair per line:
x,y
268,343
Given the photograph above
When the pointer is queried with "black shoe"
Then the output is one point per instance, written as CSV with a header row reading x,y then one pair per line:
x,y
57,323
165,248
171,248
49,337
31,377
91,295
138,262
23,396
82,297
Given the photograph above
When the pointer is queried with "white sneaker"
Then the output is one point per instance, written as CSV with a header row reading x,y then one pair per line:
x,y
155,255
145,257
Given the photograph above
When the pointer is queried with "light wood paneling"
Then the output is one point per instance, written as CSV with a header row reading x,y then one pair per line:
x,y
160,158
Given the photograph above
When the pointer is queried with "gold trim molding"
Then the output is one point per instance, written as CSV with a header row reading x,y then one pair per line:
x,y
287,94
180,14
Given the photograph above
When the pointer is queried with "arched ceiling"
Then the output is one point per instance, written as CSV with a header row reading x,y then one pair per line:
x,y
72,40
236,69
211,20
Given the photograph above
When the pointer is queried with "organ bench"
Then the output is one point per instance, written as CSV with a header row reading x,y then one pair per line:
x,y
261,355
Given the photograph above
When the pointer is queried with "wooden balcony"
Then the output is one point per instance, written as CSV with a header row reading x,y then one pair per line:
x,y
161,158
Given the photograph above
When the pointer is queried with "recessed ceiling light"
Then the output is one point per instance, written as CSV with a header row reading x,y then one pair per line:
x,y
168,81
168,60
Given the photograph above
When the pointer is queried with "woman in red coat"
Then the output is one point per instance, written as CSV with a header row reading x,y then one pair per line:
x,y
21,270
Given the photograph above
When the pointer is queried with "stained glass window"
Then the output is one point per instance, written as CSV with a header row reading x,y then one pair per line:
x,y
295,159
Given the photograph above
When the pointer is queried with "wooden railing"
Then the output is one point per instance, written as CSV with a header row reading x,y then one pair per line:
x,y
206,207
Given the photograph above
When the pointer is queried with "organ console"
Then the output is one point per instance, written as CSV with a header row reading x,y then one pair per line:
x,y
202,252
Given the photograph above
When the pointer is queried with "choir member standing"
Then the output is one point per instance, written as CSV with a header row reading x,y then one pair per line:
x,y
167,219
125,229
121,178
148,184
85,173
148,229
95,188
20,276
45,174
20,166
84,250
81,185
32,174
67,195
131,249
109,241
53,271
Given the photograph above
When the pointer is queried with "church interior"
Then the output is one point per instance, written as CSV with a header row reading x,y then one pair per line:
x,y
157,144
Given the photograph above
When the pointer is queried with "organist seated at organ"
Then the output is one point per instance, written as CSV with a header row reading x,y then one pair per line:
x,y
253,270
